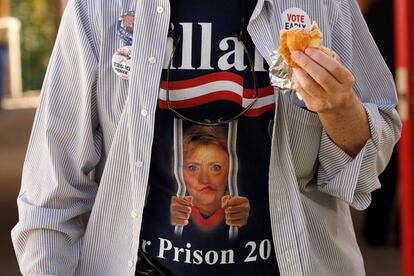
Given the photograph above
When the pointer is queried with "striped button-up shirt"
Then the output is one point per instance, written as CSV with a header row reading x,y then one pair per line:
x,y
90,147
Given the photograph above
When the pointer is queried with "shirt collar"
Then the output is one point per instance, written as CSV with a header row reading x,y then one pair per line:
x,y
260,6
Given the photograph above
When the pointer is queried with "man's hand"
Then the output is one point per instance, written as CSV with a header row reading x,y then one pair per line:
x,y
323,82
326,88
180,209
236,210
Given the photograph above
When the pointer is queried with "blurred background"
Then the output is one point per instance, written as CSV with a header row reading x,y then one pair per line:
x,y
27,32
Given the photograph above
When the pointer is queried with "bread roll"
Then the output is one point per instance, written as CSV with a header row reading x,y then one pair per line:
x,y
297,39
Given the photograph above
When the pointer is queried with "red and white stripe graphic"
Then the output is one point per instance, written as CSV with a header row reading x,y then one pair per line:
x,y
216,87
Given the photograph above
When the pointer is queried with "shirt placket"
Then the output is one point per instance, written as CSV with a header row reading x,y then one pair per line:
x,y
148,50
263,28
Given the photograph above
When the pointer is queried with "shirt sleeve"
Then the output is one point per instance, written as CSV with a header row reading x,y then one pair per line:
x,y
64,149
353,180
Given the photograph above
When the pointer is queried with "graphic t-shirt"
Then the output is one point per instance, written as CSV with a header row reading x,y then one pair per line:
x,y
207,209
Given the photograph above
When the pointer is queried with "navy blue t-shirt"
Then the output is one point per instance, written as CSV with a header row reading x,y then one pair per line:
x,y
207,209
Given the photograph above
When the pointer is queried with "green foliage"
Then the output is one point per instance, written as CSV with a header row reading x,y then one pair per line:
x,y
37,36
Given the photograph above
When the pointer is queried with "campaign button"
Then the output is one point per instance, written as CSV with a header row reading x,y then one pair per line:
x,y
295,18
125,27
121,62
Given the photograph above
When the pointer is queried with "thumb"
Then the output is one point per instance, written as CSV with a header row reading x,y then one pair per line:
x,y
237,200
224,201
189,199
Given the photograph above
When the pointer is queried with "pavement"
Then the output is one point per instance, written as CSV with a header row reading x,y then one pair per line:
x,y
15,125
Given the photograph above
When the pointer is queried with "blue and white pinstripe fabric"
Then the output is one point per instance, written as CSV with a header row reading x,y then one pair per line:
x,y
90,147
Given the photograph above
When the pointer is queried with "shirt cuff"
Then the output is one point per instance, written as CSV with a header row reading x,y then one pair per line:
x,y
351,180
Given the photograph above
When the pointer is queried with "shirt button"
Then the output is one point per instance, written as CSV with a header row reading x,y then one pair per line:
x,y
144,112
152,60
130,263
134,214
139,164
160,9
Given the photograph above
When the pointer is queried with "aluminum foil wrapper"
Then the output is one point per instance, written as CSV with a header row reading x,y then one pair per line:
x,y
281,74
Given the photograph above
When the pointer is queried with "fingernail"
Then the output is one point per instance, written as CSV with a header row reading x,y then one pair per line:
x,y
309,51
296,55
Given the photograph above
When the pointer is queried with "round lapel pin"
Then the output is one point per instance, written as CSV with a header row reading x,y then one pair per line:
x,y
295,18
125,27
121,62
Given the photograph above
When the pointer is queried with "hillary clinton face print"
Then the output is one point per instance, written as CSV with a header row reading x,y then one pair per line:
x,y
206,173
